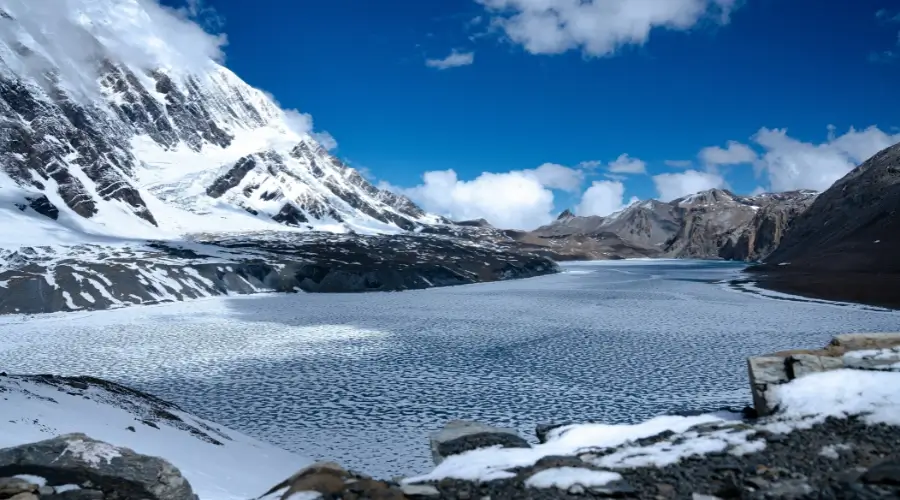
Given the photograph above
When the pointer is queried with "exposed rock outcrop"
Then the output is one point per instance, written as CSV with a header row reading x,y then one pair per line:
x,y
77,467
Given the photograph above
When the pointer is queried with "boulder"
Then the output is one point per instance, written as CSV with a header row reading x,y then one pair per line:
x,y
459,436
866,351
119,473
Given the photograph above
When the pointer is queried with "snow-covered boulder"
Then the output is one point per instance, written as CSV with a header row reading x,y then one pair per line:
x,y
76,461
459,436
862,351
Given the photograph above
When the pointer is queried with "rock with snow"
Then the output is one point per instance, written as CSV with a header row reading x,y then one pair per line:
x,y
80,460
877,351
459,436
219,463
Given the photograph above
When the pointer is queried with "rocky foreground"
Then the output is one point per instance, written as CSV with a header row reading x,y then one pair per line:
x,y
826,424
90,277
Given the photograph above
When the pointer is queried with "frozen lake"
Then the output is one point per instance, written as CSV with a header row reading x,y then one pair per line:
x,y
362,378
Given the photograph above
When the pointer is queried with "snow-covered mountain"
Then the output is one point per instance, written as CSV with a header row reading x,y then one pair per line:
x,y
112,123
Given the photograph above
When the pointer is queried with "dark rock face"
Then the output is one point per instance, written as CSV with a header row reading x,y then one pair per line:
x,y
43,206
761,235
100,278
117,473
844,246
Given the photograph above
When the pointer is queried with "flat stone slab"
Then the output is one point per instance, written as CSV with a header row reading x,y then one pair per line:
x,y
459,436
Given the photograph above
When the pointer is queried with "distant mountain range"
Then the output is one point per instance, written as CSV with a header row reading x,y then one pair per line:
x,y
712,224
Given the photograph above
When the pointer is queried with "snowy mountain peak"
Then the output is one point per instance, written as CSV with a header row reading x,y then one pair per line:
x,y
118,115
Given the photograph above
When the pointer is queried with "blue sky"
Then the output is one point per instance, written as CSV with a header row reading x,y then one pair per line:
x,y
577,87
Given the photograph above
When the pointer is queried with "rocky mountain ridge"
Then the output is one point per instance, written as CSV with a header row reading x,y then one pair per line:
x,y
715,223
159,147
844,246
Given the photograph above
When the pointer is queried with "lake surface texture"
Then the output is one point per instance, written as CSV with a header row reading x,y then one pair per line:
x,y
362,378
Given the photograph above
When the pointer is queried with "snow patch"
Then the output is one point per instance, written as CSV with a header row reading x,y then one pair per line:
x,y
566,477
92,453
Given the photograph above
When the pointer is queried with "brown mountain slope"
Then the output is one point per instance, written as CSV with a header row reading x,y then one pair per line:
x,y
846,246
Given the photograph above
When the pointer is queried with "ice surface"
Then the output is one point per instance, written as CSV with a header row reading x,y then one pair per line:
x,y
362,378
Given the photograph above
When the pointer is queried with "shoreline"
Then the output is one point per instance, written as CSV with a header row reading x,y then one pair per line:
x,y
870,289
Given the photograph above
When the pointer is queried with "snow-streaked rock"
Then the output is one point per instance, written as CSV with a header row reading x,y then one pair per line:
x,y
103,276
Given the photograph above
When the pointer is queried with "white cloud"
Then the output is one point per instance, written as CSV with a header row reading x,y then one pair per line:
x,y
625,164
596,27
454,60
515,200
70,36
300,123
519,199
678,163
792,164
602,198
676,185
326,140
733,154
555,176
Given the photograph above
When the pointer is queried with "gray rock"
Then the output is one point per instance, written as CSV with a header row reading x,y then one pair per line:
x,y
78,459
800,365
76,495
10,486
24,496
791,488
764,372
459,436
701,496
885,472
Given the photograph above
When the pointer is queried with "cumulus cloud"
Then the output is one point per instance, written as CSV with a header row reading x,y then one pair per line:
x,y
793,164
733,153
625,164
675,185
515,200
454,60
603,198
555,176
597,27
519,199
